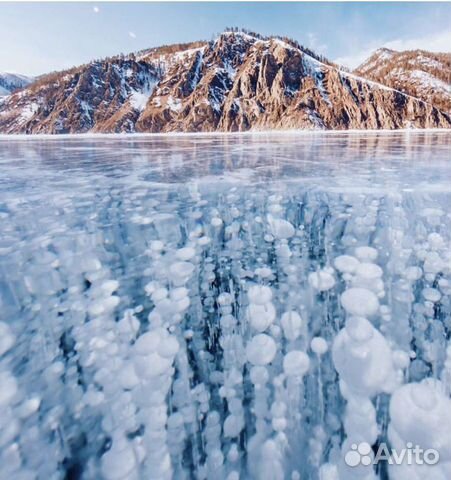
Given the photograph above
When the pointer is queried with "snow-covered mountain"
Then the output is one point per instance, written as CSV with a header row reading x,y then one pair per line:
x,y
422,74
10,82
240,81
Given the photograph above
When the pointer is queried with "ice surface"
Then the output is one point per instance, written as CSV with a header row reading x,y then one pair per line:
x,y
224,306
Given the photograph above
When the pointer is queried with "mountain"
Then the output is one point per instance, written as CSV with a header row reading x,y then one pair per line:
x,y
422,74
240,81
10,82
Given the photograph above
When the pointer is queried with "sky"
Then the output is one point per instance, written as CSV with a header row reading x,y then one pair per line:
x,y
36,38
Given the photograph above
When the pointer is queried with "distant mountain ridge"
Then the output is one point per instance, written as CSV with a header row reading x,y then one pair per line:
x,y
419,73
240,81
10,82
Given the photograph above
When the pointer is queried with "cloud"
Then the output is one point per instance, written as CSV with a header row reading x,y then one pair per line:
x,y
132,34
438,42
96,9
314,44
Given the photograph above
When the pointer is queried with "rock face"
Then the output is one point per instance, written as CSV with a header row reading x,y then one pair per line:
x,y
237,82
418,73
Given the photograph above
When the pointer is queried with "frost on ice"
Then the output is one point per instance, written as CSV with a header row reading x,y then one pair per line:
x,y
234,330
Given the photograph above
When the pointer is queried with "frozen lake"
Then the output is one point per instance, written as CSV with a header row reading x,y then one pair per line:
x,y
268,306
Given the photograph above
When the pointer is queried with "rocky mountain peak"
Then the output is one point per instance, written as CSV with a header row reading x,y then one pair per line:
x,y
240,81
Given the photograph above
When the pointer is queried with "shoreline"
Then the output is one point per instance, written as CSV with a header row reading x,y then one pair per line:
x,y
65,136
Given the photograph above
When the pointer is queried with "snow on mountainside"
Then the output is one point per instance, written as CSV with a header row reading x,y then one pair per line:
x,y
240,81
10,82
422,74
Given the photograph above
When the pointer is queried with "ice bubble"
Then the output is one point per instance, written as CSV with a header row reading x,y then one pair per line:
x,y
216,222
168,347
413,273
179,293
233,425
281,229
156,245
8,388
346,263
261,316
360,302
363,358
259,294
261,349
119,464
259,375
419,414
319,345
431,294
151,365
147,343
181,271
366,254
369,271
321,280
263,272
185,253
103,306
225,299
296,363
291,324
7,338
110,286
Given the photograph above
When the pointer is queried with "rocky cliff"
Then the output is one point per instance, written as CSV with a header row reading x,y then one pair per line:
x,y
237,82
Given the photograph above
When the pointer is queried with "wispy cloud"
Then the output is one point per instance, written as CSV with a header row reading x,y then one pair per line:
x,y
96,9
316,45
132,34
438,42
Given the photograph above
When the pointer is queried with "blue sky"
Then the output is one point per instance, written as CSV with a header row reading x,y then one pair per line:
x,y
39,37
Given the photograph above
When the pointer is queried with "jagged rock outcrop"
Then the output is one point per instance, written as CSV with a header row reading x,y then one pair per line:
x,y
238,82
418,73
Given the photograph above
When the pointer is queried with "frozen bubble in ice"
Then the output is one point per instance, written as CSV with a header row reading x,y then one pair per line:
x,y
152,365
168,347
261,316
321,280
360,302
366,254
346,263
261,349
8,388
185,253
7,338
159,294
431,294
369,271
319,345
119,464
233,425
263,272
156,245
225,299
259,294
259,375
147,343
296,363
181,271
280,228
363,358
291,324
179,293
110,286
216,222
103,306
413,273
